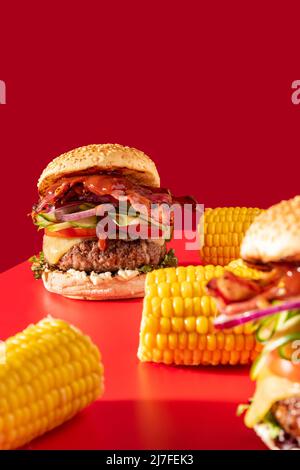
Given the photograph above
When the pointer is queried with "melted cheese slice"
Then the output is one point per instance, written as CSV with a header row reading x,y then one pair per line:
x,y
269,389
54,247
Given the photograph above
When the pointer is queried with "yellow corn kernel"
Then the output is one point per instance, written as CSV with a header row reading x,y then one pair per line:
x,y
225,357
182,340
190,274
197,288
149,340
151,278
248,328
190,324
229,342
197,356
238,330
211,343
170,275
188,307
206,357
165,325
177,324
249,342
197,305
166,307
245,357
155,304
202,324
205,304
160,276
173,340
42,365
202,342
192,341
239,342
181,273
162,341
186,289
188,357
163,290
157,355
168,357
175,289
220,340
151,324
151,290
234,358
216,357
178,306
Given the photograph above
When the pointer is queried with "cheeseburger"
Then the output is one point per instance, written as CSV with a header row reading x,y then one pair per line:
x,y
271,244
106,221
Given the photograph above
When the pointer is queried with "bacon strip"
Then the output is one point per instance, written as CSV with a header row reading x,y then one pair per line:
x,y
105,185
110,188
236,295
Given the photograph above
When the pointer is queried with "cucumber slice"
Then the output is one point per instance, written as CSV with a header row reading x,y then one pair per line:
x,y
287,331
68,210
48,217
271,325
281,343
258,365
88,222
41,222
286,351
154,222
61,226
123,220
266,329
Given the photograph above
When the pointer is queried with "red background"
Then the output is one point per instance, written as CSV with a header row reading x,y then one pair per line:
x,y
202,87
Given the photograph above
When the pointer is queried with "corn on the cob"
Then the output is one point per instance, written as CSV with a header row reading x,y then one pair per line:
x,y
224,229
49,372
177,321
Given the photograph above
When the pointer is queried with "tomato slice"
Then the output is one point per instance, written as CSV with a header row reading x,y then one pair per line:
x,y
283,367
73,233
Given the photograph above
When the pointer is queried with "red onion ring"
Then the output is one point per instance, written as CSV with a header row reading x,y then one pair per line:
x,y
228,321
62,214
98,210
78,215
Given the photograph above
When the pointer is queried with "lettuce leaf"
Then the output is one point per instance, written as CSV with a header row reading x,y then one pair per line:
x,y
169,261
274,427
38,265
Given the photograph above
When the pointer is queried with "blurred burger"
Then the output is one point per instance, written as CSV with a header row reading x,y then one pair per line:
x,y
90,200
272,245
272,303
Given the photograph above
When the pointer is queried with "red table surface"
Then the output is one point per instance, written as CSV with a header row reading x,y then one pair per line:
x,y
145,406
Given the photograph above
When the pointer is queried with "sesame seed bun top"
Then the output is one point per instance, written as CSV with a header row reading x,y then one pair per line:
x,y
274,236
99,157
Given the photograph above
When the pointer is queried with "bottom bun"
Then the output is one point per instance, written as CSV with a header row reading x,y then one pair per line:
x,y
264,432
79,285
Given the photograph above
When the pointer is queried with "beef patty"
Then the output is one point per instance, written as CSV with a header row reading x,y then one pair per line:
x,y
287,413
119,254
